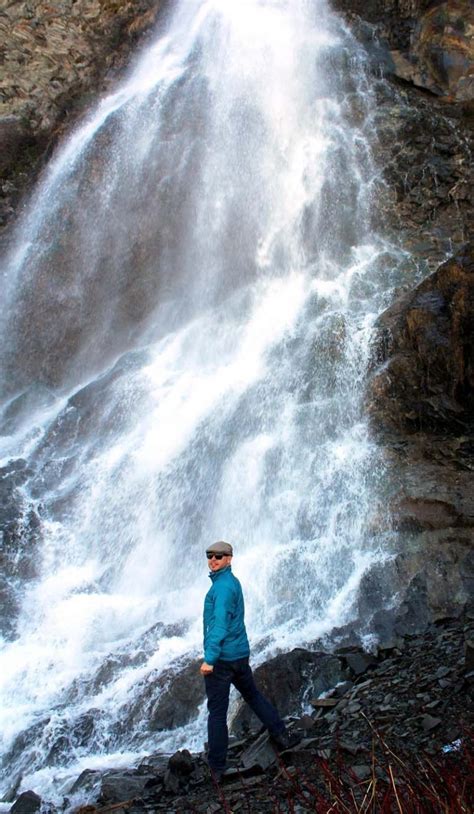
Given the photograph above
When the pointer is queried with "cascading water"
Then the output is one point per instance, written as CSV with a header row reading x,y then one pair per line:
x,y
188,308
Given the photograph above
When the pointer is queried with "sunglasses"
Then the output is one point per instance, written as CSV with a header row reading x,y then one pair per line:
x,y
211,554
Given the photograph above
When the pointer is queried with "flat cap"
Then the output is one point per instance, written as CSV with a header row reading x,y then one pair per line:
x,y
220,548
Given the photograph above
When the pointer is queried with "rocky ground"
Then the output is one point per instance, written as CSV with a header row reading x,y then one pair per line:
x,y
394,722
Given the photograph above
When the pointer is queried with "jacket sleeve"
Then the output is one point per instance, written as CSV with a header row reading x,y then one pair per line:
x,y
222,615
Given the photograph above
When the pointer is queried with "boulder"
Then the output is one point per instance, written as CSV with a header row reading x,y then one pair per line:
x,y
423,370
290,681
165,699
27,803
118,786
260,754
178,703
181,763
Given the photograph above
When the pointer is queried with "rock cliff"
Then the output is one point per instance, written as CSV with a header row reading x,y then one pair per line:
x,y
60,55
57,56
420,401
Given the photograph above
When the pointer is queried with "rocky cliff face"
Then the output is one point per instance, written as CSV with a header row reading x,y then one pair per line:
x,y
420,400
420,395
57,55
61,54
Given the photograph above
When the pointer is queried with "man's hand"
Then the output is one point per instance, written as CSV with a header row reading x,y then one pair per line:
x,y
206,668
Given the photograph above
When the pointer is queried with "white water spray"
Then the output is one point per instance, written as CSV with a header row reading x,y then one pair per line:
x,y
190,300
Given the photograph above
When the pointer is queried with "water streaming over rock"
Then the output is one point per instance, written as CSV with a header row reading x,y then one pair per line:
x,y
188,305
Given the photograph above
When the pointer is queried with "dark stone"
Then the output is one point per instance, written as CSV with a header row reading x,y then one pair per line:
x,y
469,655
118,786
290,680
442,672
171,782
423,346
305,722
361,771
86,781
157,763
27,803
261,753
343,688
178,701
428,722
359,663
181,763
414,615
442,46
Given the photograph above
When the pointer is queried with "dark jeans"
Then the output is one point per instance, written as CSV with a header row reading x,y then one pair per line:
x,y
218,684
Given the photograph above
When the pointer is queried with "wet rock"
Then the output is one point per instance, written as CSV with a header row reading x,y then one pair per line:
x,y
343,688
306,722
443,48
431,47
118,786
87,780
20,530
421,404
28,802
57,57
424,375
165,700
359,662
261,753
178,701
397,702
181,763
290,680
171,782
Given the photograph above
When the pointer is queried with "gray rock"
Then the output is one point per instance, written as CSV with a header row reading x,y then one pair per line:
x,y
343,688
428,722
290,680
178,701
442,672
305,722
118,786
181,763
28,802
361,771
87,780
359,663
261,753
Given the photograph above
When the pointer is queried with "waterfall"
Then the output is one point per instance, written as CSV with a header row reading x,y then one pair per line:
x,y
187,310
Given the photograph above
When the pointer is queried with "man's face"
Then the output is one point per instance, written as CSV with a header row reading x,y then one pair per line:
x,y
217,565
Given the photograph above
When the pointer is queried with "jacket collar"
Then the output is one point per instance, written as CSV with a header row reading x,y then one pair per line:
x,y
214,576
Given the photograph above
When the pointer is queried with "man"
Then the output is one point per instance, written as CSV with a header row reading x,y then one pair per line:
x,y
226,659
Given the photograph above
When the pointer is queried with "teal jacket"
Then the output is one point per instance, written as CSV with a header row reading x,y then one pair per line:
x,y
225,636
